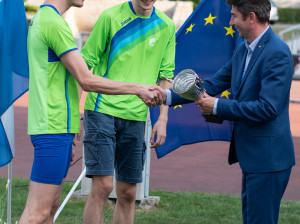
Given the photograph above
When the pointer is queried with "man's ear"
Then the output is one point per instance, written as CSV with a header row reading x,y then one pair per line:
x,y
252,16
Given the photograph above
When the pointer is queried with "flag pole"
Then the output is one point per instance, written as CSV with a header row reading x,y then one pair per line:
x,y
9,188
8,124
11,138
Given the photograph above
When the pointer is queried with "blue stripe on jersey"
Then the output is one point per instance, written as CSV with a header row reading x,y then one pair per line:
x,y
99,97
68,103
52,57
68,51
140,28
132,25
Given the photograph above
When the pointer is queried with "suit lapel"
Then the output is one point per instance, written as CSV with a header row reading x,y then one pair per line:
x,y
257,51
253,59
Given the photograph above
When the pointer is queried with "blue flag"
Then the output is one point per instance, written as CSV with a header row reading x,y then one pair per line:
x,y
204,43
14,71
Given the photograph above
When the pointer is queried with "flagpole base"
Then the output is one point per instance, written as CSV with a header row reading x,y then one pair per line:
x,y
149,202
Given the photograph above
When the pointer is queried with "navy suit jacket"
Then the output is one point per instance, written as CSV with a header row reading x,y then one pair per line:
x,y
261,139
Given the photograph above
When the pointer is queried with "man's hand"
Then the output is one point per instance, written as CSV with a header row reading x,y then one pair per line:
x,y
159,130
161,91
78,137
152,95
206,103
72,158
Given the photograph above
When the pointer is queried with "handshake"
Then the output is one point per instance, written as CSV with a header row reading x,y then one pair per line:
x,y
187,87
152,96
186,84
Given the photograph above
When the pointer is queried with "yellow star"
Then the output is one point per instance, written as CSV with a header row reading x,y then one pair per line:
x,y
177,106
229,31
190,28
226,94
209,19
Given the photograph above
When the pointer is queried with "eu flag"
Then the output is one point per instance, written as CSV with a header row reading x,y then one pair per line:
x,y
14,72
205,42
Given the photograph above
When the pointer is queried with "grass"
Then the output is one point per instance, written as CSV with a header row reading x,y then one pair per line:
x,y
173,208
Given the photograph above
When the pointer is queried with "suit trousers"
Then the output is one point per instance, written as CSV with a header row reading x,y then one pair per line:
x,y
261,196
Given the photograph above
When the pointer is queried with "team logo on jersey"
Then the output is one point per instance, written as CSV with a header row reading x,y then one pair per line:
x,y
126,21
152,41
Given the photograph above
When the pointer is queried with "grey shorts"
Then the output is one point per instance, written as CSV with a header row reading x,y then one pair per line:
x,y
114,145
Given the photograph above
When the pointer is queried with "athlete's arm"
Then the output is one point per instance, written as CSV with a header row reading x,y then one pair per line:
x,y
160,127
92,83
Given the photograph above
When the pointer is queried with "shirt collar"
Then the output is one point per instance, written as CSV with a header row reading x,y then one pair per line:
x,y
252,46
51,6
132,9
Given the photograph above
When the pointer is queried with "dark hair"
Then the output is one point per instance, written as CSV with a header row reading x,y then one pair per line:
x,y
261,8
296,60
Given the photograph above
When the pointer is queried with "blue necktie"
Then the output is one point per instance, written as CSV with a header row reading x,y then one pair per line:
x,y
248,56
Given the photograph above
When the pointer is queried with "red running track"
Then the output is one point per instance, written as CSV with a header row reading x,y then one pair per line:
x,y
200,167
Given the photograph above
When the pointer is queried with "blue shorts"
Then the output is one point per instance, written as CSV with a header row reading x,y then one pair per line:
x,y
114,145
52,157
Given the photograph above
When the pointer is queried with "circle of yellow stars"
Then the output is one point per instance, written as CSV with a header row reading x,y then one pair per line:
x,y
230,31
210,20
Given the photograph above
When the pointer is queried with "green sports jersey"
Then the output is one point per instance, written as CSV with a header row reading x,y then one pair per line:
x,y
53,93
126,47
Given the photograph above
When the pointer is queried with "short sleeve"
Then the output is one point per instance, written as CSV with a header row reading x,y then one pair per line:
x,y
97,43
168,61
58,36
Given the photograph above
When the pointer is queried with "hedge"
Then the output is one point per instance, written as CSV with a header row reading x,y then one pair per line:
x,y
31,8
289,15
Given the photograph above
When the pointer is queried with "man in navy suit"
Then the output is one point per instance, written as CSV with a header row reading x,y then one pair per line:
x,y
259,75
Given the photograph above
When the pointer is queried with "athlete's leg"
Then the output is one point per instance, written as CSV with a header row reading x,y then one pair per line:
x,y
130,154
124,210
55,206
52,155
102,186
40,202
99,152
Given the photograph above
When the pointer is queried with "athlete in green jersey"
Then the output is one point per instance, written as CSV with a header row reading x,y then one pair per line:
x,y
53,113
125,46
132,42
53,90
